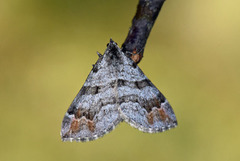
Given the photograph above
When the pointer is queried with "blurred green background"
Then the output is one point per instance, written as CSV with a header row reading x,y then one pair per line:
x,y
47,48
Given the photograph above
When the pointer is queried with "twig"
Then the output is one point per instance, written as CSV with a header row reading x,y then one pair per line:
x,y
142,23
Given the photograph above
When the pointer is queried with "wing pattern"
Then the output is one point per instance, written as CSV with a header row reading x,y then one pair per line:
x,y
116,90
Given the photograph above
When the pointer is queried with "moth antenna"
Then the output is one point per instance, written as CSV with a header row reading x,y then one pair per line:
x,y
99,54
111,40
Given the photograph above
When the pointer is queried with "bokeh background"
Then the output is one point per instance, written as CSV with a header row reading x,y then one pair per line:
x,y
47,48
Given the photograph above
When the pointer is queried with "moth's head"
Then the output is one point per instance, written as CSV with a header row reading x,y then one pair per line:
x,y
112,51
113,54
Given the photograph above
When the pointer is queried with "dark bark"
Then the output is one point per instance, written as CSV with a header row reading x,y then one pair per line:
x,y
142,23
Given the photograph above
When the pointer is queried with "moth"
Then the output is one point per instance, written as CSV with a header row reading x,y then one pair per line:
x,y
116,90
